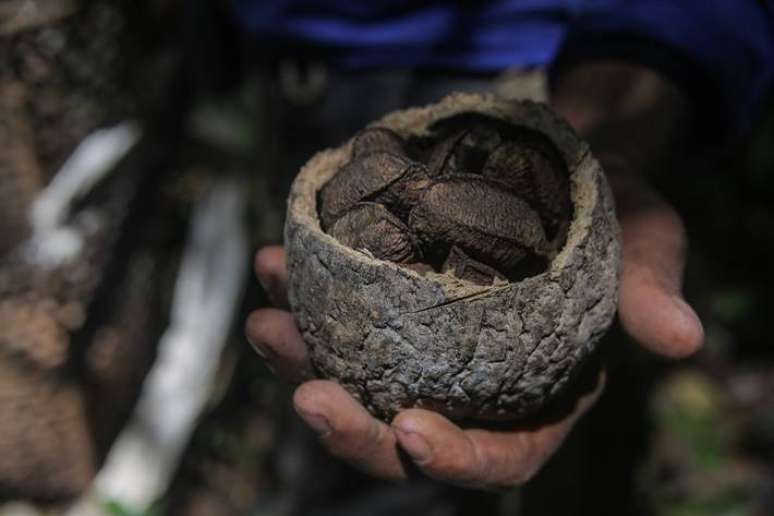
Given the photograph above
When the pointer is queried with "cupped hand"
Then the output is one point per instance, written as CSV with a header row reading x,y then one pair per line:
x,y
629,115
651,311
436,446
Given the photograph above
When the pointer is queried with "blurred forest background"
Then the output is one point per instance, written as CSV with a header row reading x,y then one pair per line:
x,y
184,184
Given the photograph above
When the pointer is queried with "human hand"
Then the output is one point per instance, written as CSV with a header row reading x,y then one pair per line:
x,y
631,117
470,457
651,310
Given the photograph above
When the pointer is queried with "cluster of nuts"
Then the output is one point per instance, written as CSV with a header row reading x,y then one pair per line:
x,y
479,198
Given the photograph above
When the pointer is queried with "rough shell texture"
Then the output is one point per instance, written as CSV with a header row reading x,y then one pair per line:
x,y
396,338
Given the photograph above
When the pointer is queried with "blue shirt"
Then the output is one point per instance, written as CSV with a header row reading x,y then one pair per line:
x,y
720,51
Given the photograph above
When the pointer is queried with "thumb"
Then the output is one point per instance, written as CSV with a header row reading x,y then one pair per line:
x,y
651,306
272,273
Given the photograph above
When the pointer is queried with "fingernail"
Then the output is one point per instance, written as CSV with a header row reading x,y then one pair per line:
x,y
415,445
260,349
270,287
693,330
684,308
266,282
688,313
316,422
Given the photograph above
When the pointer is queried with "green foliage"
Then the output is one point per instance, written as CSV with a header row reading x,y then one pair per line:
x,y
733,305
115,508
731,501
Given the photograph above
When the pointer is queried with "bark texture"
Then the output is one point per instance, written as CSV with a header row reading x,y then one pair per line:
x,y
397,339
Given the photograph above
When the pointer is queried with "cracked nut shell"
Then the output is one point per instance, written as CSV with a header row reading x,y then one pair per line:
x,y
396,338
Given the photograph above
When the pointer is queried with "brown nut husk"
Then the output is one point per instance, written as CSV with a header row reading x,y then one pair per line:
x,y
488,223
464,267
377,139
369,176
396,339
371,227
528,170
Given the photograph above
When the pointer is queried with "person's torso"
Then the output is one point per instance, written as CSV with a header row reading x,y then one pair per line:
x,y
461,34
